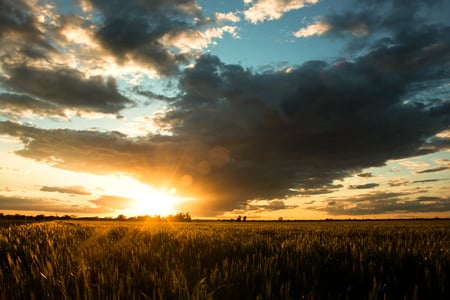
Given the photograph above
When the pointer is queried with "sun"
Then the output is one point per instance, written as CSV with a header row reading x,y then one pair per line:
x,y
143,199
154,202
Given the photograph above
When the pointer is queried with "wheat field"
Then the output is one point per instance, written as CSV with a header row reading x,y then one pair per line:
x,y
226,260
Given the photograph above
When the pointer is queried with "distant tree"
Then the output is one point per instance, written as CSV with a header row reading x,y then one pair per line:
x,y
180,217
280,219
121,217
244,219
239,218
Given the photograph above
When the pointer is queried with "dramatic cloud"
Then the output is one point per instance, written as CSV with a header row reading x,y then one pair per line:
x,y
315,123
109,37
189,41
354,23
60,90
19,106
20,203
72,190
20,29
134,29
369,22
13,18
387,203
262,10
233,135
236,135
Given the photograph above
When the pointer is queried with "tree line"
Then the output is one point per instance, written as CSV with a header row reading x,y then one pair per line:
x,y
179,217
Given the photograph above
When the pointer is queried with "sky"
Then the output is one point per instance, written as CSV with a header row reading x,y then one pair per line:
x,y
307,109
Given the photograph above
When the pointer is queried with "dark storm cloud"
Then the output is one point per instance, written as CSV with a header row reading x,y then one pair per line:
x,y
374,23
18,25
355,23
72,190
383,203
316,123
15,105
65,88
134,29
14,17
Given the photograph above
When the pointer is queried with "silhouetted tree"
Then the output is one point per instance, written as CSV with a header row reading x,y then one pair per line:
x,y
121,217
180,217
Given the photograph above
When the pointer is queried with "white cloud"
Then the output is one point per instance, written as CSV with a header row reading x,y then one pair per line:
x,y
197,40
86,6
231,17
264,10
317,28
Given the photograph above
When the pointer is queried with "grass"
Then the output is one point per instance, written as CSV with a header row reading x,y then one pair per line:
x,y
214,260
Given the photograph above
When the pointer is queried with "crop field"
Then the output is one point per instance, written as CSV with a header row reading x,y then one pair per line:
x,y
226,260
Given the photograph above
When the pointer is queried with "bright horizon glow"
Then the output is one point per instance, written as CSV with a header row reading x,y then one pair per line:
x,y
143,198
149,201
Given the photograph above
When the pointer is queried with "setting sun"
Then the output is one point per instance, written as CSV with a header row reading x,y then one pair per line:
x,y
139,198
153,202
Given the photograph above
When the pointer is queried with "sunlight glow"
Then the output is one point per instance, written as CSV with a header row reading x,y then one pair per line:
x,y
153,202
144,199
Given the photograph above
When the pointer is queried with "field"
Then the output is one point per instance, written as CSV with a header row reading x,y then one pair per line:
x,y
226,260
